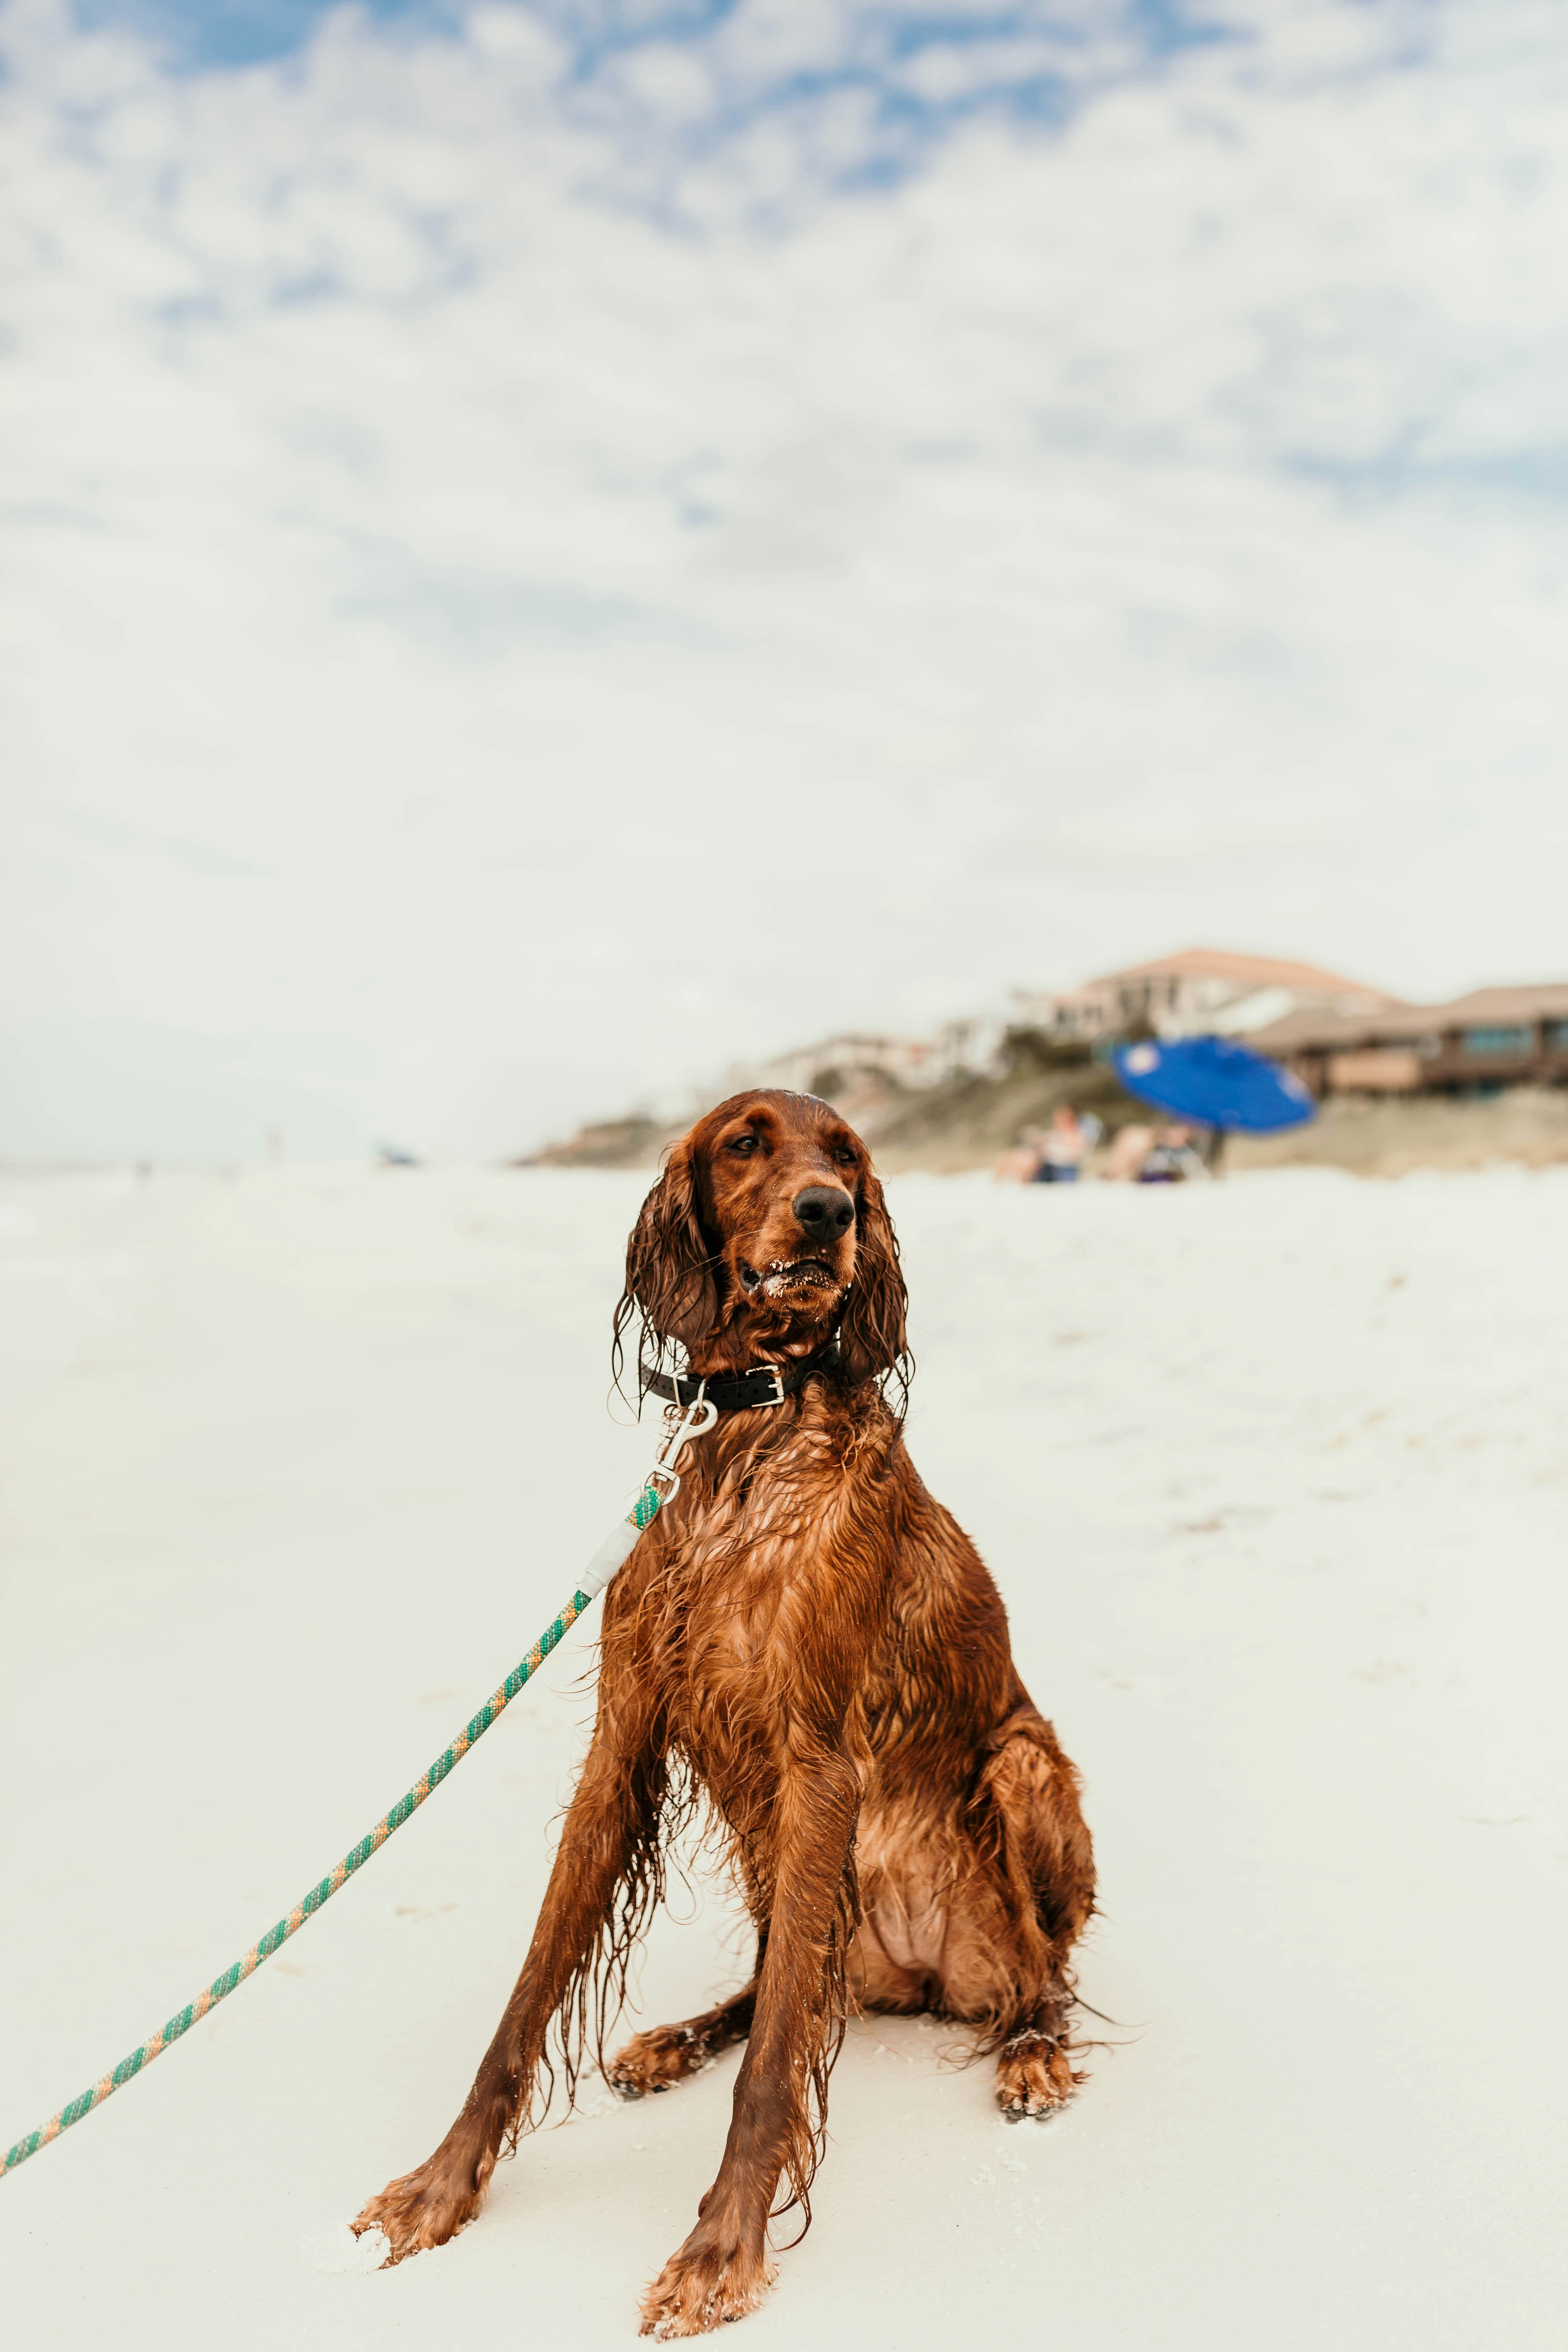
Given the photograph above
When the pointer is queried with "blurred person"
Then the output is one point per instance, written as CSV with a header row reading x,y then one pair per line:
x,y
1021,1164
1129,1150
1066,1145
1172,1158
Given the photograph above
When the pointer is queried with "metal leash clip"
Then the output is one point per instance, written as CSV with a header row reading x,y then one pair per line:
x,y
682,1422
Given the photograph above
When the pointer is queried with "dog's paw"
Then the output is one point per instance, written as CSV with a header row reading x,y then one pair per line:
x,y
712,2281
656,2061
1034,2078
415,2213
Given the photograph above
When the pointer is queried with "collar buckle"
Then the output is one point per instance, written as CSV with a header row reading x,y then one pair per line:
x,y
771,1372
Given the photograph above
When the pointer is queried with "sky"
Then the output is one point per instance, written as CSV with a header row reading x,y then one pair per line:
x,y
552,549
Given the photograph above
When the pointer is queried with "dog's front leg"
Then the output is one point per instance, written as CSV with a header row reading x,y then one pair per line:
x,y
612,1815
722,2271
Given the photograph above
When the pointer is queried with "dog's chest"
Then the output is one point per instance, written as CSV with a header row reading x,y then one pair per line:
x,y
749,1596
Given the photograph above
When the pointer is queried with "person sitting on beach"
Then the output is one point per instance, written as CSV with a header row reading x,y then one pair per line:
x,y
1051,1155
1021,1165
1128,1152
1066,1144
1172,1159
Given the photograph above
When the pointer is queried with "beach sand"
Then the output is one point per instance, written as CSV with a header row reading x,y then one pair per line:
x,y
1274,1477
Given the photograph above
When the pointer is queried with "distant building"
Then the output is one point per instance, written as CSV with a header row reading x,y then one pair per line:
x,y
1195,990
833,1064
1494,1037
1339,1035
811,1070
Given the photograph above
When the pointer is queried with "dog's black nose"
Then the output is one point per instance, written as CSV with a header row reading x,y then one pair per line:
x,y
825,1212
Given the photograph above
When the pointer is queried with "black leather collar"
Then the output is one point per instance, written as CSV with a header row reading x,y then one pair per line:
x,y
760,1385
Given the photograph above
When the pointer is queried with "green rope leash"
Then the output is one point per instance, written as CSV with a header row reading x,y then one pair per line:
x,y
609,1557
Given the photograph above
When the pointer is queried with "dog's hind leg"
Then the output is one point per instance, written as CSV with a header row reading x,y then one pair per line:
x,y
608,1843
666,2054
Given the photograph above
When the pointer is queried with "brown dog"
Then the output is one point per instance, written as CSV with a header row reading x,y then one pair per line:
x,y
807,1643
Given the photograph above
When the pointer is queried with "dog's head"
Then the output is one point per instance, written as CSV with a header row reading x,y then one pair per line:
x,y
765,1233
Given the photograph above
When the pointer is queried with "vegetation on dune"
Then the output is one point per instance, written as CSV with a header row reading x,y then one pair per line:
x,y
970,1118
1390,1135
963,1122
633,1142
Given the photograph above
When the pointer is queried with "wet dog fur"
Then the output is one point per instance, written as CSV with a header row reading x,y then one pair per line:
x,y
807,1645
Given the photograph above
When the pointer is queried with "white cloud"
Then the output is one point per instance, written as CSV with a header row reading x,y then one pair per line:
x,y
505,651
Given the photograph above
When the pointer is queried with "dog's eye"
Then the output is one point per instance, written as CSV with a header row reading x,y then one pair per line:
x,y
745,1145
845,1155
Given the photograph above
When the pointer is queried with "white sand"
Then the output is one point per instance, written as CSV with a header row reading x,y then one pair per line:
x,y
1272,1476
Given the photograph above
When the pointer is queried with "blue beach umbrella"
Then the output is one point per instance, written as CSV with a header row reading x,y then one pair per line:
x,y
1215,1082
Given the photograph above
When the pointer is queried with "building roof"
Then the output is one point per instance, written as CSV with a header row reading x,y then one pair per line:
x,y
1546,1001
1306,1031
1246,972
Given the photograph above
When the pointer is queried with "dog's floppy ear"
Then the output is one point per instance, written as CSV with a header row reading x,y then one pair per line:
x,y
670,1278
871,1335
